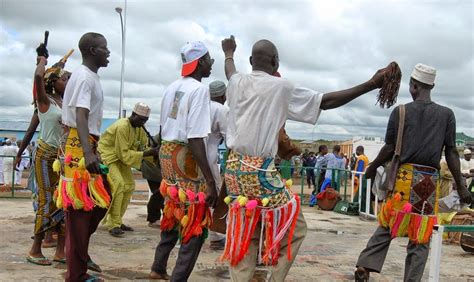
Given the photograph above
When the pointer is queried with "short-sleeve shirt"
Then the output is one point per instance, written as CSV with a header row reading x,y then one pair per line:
x,y
259,105
185,111
83,90
429,128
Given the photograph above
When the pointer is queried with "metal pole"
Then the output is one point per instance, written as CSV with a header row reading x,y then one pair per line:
x,y
435,259
123,26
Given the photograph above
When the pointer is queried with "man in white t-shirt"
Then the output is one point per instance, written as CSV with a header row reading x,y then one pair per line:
x,y
82,114
219,111
259,104
188,185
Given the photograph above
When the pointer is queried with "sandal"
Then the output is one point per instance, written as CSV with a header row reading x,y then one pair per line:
x,y
93,266
93,278
61,260
38,261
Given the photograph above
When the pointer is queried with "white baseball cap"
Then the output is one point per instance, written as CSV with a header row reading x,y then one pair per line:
x,y
190,54
467,152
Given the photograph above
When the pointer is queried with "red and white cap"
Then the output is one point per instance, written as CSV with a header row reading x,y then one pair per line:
x,y
190,54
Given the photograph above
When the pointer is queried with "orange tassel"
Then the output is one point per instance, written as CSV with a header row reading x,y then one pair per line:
x,y
228,236
237,235
163,188
293,225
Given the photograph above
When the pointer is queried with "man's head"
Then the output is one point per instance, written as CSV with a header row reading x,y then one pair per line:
x,y
360,150
197,61
323,149
467,154
311,154
8,142
265,57
217,91
336,149
140,115
94,49
421,80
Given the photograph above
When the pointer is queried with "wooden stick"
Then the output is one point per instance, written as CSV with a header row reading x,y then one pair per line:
x,y
64,59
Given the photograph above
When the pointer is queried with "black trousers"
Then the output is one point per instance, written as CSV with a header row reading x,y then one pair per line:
x,y
187,256
156,202
310,177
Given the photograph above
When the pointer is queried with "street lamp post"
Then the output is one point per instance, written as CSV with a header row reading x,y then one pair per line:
x,y
123,25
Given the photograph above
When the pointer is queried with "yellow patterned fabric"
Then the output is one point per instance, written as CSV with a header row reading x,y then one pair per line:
x,y
77,188
412,209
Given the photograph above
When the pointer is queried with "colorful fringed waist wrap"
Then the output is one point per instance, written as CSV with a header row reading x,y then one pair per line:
x,y
183,187
77,189
257,195
412,209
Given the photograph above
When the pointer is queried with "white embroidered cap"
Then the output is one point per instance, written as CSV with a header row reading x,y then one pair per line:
x,y
142,109
424,74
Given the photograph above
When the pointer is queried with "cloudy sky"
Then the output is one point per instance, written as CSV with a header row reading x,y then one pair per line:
x,y
324,45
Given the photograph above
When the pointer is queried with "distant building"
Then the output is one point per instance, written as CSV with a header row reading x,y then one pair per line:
x,y
462,141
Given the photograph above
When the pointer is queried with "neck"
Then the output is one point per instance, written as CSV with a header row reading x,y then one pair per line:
x,y
90,64
262,68
196,75
424,96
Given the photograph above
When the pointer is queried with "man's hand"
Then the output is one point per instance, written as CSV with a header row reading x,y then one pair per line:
x,y
370,172
17,162
229,46
153,151
92,163
211,198
377,79
464,194
42,51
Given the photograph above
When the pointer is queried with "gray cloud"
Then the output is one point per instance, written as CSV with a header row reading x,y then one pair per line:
x,y
323,45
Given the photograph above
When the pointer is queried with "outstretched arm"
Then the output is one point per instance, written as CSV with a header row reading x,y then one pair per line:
x,y
338,98
41,98
229,46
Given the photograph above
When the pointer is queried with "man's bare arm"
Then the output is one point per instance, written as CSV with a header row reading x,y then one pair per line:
x,y
198,148
229,46
28,136
82,121
385,155
336,99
